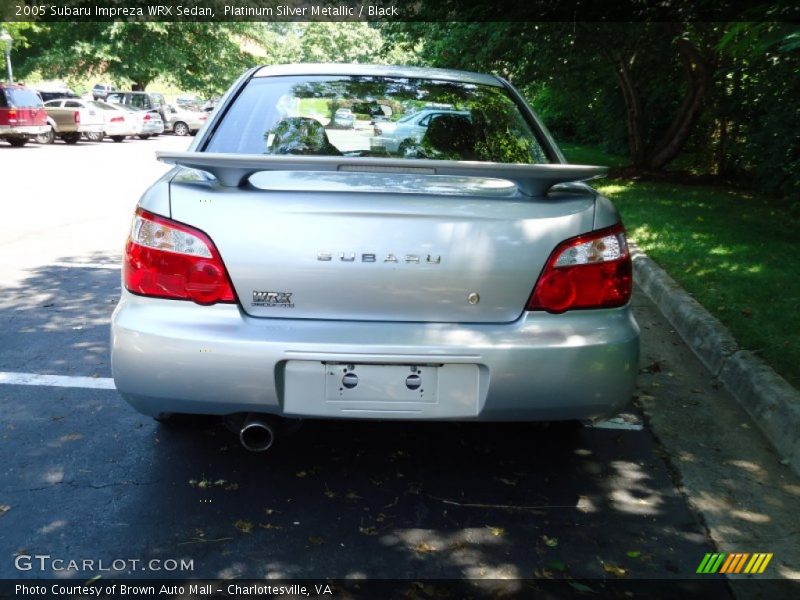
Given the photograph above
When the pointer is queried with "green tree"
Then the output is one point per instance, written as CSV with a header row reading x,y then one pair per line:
x,y
200,56
662,72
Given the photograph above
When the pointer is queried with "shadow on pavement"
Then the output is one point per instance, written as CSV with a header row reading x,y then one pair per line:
x,y
87,477
56,321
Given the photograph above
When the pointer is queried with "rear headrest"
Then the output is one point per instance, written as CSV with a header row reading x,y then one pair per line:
x,y
301,135
451,136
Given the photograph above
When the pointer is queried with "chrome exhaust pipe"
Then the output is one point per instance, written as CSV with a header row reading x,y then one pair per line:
x,y
258,433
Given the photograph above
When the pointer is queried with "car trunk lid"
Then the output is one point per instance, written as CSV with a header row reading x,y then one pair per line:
x,y
384,246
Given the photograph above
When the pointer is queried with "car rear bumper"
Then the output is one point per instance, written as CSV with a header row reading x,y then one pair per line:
x,y
179,357
154,128
115,129
23,130
90,128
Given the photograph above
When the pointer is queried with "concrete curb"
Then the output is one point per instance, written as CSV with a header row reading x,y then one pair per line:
x,y
771,402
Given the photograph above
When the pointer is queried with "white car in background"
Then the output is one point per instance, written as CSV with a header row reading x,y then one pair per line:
x,y
119,122
344,118
184,121
147,122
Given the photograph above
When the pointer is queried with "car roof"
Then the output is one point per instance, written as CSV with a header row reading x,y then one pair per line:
x,y
377,70
15,85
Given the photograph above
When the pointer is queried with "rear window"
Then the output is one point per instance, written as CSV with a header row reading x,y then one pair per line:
x,y
22,98
296,116
139,101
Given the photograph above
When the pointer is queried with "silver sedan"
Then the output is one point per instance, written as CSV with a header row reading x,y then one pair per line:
x,y
279,271
184,121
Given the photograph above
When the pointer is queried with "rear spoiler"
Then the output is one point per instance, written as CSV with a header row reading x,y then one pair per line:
x,y
232,170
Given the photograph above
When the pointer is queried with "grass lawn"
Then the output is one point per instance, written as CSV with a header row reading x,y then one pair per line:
x,y
736,252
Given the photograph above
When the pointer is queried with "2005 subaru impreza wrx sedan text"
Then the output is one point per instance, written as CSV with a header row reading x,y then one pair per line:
x,y
290,267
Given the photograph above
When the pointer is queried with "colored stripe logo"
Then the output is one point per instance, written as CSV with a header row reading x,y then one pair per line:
x,y
736,562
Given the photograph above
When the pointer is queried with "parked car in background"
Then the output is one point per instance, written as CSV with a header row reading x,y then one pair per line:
x,y
52,90
344,118
184,121
189,101
22,114
277,272
119,122
148,122
140,100
101,90
410,128
69,118
211,104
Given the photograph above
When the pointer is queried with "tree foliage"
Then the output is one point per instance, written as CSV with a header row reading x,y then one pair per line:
x,y
696,94
199,56
716,98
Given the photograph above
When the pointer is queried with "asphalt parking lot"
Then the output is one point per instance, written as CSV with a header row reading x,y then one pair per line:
x,y
82,476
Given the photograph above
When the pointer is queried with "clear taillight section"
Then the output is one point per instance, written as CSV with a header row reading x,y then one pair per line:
x,y
166,259
589,271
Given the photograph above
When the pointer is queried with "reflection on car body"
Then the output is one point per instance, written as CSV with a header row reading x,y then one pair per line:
x,y
408,130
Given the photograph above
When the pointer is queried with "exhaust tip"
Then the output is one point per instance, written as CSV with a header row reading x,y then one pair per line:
x,y
257,435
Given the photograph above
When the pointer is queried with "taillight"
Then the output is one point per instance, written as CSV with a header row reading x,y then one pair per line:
x,y
77,117
12,115
146,116
117,119
588,271
165,259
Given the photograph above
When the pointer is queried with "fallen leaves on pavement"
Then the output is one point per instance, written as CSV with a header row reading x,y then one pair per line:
x,y
551,542
244,526
615,570
424,548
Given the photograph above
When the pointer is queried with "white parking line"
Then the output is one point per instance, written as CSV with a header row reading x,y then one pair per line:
x,y
74,265
98,383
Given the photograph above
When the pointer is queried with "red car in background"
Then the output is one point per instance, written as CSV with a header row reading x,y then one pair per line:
x,y
22,114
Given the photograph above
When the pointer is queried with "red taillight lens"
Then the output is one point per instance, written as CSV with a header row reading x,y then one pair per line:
x,y
77,117
117,119
147,116
588,271
165,259
11,115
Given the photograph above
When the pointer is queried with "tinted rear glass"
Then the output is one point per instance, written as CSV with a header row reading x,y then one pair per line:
x,y
297,115
139,101
22,98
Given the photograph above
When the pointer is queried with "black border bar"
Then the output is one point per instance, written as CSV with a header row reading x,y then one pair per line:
x,y
400,10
